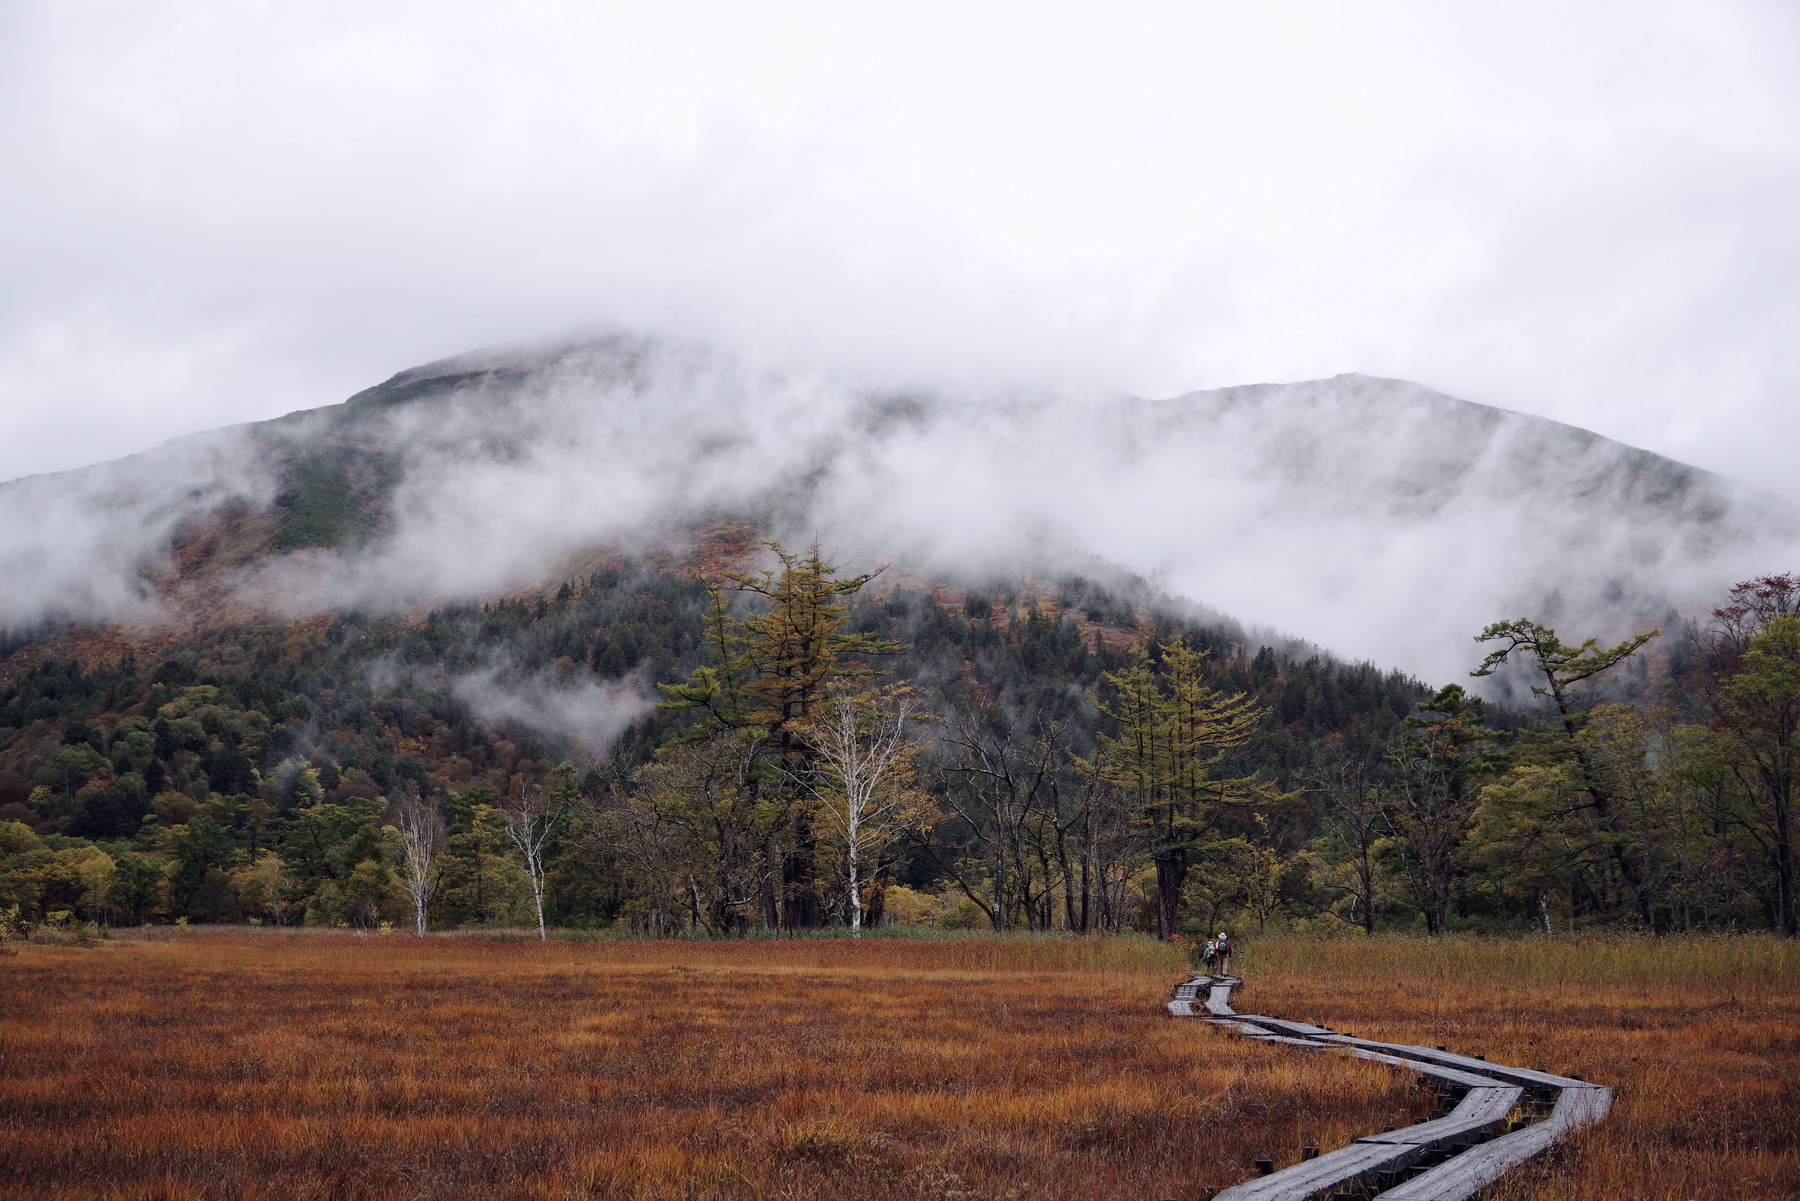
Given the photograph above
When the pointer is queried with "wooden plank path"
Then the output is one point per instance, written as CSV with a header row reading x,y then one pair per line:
x,y
1410,1164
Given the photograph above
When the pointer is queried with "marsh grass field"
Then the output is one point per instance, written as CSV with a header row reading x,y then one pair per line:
x,y
236,1063
1699,1037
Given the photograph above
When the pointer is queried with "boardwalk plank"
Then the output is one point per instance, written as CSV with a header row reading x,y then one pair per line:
x,y
1357,1163
1528,1077
1462,1177
1283,1026
1493,1092
1482,1112
1434,1070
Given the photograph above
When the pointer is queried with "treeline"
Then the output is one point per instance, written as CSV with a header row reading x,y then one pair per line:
x,y
831,750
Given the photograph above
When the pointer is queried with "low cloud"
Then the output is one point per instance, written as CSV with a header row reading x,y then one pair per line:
x,y
1375,517
92,544
591,712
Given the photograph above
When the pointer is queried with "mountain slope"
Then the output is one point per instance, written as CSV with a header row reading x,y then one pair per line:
x,y
1374,516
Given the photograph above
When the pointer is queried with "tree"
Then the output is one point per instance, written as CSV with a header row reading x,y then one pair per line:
x,y
1352,820
421,831
1563,667
1759,734
266,890
868,793
698,824
677,829
766,670
1011,850
325,845
1753,605
1429,804
1520,841
1173,735
480,883
765,673
201,848
529,821
1267,873
139,885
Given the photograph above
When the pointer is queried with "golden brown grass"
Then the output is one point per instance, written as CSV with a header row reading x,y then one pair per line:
x,y
1700,1039
233,1064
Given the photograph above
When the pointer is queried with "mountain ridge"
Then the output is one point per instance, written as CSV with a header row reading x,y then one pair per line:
x,y
477,474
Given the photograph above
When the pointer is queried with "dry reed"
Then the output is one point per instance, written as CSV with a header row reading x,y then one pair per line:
x,y
239,1064
1700,1039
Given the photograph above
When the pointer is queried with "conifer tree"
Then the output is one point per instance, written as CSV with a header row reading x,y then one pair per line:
x,y
1173,735
1563,667
769,670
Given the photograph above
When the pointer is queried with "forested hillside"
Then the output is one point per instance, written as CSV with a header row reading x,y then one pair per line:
x,y
1057,756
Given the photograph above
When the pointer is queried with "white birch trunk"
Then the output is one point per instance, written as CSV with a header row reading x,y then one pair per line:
x,y
528,825
421,829
865,750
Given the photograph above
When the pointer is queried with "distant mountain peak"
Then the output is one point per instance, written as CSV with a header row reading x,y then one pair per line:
x,y
1376,516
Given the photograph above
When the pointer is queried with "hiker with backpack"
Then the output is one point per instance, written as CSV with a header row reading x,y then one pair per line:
x,y
1221,953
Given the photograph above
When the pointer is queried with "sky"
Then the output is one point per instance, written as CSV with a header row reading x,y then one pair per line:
x,y
217,213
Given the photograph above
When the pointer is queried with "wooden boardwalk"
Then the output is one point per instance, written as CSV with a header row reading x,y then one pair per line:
x,y
1490,1129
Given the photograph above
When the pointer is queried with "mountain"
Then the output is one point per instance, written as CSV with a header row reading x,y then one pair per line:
x,y
229,662
1373,516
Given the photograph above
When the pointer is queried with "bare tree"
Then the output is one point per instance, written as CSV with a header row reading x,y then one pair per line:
x,y
529,821
867,792
1006,792
1353,818
421,834
693,825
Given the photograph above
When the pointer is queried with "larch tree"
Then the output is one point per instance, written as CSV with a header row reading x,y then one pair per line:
x,y
767,671
1173,735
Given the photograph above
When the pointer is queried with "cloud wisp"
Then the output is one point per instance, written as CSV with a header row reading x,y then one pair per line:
x,y
591,712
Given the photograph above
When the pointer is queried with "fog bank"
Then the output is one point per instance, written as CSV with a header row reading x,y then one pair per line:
x,y
1375,517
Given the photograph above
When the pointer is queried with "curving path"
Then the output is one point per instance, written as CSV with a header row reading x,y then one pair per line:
x,y
1501,1116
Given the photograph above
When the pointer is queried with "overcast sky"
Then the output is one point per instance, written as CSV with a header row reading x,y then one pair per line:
x,y
225,211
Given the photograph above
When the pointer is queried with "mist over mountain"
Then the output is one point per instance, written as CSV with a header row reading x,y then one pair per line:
x,y
1376,517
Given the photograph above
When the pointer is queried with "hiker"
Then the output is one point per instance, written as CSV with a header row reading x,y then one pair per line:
x,y
1222,953
1212,954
